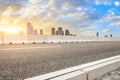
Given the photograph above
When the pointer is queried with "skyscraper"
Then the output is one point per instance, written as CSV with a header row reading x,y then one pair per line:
x,y
67,32
97,35
60,31
41,32
29,28
52,31
56,32
110,35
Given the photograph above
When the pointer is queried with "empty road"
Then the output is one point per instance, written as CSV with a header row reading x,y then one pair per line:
x,y
18,62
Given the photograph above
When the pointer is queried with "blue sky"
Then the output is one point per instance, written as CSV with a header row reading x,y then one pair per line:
x,y
83,17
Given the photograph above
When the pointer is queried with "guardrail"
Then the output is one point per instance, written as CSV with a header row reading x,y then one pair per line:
x,y
88,71
24,38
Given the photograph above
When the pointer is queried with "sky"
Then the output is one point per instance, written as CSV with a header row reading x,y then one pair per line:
x,y
81,17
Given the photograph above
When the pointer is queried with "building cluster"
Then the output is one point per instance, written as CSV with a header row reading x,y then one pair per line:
x,y
97,35
60,31
30,30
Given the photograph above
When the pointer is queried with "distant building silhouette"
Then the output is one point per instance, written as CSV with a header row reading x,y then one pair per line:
x,y
29,28
111,35
52,31
74,35
106,35
56,32
41,32
97,35
35,31
67,32
60,31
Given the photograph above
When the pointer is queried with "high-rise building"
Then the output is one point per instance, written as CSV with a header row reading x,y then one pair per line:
x,y
97,35
67,32
110,35
41,32
35,31
60,31
106,35
29,28
56,32
52,31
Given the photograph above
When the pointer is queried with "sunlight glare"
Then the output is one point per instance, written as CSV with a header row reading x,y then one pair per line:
x,y
12,31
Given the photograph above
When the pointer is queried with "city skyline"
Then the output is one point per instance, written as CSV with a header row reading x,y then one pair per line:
x,y
82,17
60,31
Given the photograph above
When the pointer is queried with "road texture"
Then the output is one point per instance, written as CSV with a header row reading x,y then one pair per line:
x,y
18,62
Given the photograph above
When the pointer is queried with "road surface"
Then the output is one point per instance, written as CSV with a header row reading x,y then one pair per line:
x,y
28,60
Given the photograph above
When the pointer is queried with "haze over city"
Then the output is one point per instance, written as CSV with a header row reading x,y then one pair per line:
x,y
82,17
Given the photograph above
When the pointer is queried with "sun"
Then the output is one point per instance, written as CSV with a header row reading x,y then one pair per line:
x,y
11,31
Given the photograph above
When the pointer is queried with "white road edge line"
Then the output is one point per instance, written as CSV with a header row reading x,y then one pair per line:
x,y
28,48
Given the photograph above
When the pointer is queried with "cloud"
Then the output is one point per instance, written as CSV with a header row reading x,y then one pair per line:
x,y
35,1
58,10
6,3
105,30
103,2
7,12
110,16
28,12
111,19
117,24
117,3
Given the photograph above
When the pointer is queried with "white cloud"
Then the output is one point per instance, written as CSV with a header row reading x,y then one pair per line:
x,y
105,30
53,4
7,12
103,2
35,1
117,24
29,12
117,3
79,8
80,16
113,18
110,16
111,12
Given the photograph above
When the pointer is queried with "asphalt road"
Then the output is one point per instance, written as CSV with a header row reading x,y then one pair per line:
x,y
18,62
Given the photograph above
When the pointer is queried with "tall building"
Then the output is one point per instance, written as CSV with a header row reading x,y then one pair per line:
x,y
106,35
52,31
60,31
67,32
97,35
56,32
29,28
41,31
110,35
35,31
